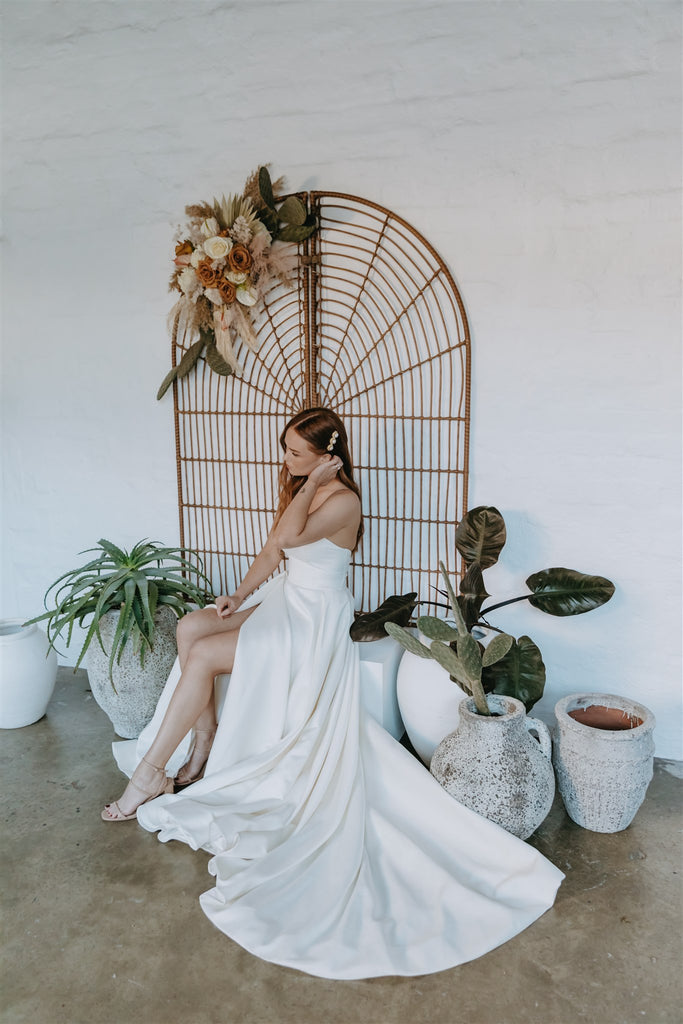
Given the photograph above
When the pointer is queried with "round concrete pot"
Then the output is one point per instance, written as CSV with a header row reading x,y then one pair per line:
x,y
28,670
495,767
131,700
603,756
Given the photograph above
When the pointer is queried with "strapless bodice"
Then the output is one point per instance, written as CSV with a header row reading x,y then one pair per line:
x,y
320,565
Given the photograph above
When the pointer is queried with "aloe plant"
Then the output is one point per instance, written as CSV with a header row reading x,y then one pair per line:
x,y
509,666
135,584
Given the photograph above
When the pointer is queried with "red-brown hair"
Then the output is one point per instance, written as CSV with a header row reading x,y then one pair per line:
x,y
316,426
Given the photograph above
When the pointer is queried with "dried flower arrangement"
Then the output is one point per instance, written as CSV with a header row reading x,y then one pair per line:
x,y
225,260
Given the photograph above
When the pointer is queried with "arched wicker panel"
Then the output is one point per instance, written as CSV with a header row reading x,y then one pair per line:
x,y
375,330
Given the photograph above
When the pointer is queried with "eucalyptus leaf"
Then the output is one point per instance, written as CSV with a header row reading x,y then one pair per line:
x,y
480,536
266,187
568,592
216,361
520,674
294,233
292,211
370,626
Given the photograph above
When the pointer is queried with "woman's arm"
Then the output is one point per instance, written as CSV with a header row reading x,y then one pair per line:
x,y
298,525
260,569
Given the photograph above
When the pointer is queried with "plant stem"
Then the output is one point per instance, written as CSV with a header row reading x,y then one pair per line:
x,y
501,604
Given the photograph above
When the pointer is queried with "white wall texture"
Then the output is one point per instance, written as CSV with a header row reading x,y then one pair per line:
x,y
535,144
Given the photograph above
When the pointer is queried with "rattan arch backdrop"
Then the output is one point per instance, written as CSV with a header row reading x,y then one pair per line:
x,y
375,329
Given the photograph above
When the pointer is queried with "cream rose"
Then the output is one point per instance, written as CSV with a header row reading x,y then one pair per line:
x,y
216,248
235,278
196,258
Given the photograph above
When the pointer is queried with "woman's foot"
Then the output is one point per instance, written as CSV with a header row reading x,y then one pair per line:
x,y
194,769
147,783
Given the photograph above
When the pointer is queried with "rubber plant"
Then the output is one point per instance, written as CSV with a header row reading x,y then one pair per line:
x,y
509,666
133,583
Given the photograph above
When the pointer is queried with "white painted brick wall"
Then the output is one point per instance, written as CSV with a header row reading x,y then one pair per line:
x,y
535,144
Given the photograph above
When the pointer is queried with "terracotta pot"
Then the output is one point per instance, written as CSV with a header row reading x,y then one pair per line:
x,y
604,752
131,701
495,767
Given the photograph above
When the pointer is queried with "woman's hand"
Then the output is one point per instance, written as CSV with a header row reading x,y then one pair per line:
x,y
227,604
325,471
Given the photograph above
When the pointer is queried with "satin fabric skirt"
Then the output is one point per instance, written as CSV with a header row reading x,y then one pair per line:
x,y
334,849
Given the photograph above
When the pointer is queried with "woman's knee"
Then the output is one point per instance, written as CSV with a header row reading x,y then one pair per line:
x,y
192,627
213,654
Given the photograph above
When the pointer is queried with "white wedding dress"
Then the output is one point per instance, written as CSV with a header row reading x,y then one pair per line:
x,y
334,849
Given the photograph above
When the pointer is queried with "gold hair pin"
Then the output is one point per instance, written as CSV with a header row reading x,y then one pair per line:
x,y
333,440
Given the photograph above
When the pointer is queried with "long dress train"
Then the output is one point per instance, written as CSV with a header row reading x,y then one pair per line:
x,y
334,850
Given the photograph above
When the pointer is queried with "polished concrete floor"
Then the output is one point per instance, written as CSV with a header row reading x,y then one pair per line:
x,y
102,924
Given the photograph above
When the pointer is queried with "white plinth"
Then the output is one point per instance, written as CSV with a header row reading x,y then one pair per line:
x,y
379,661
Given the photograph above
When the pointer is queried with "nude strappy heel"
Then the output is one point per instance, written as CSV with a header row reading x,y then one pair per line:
x,y
181,781
165,786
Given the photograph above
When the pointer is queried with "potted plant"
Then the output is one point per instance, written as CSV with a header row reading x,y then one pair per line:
x,y
490,762
130,602
513,667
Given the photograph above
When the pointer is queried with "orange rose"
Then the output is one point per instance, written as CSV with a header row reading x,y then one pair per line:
x,y
227,291
184,248
208,277
239,258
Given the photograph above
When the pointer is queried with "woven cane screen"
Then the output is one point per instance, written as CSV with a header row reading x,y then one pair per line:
x,y
374,328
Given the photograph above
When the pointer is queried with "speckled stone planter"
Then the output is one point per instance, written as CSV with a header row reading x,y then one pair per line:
x,y
603,756
138,689
494,766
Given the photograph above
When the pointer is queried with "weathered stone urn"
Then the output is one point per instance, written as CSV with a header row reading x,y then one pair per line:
x,y
131,700
604,752
494,766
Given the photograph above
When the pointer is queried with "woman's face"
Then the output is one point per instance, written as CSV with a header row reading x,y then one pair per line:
x,y
300,458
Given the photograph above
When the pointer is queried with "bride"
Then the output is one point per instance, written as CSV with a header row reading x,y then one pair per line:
x,y
334,850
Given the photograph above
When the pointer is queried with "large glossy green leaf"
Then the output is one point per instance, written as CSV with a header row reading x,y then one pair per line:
x,y
520,674
568,592
472,595
480,536
396,609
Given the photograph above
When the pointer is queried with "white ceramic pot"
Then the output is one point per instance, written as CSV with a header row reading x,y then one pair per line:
x,y
28,670
428,700
604,752
495,767
131,701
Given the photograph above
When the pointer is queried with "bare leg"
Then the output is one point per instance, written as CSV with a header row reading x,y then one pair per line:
x,y
190,705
